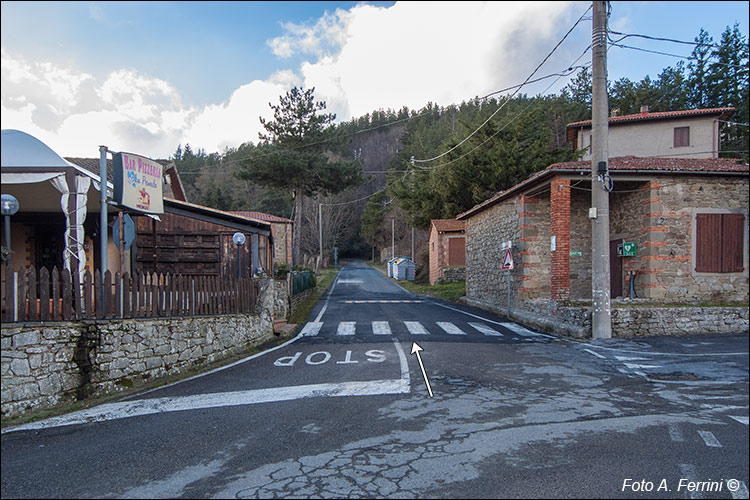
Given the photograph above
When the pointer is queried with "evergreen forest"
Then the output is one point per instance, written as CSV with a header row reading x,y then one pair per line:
x,y
522,135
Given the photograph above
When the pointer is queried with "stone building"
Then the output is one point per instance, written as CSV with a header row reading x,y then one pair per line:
x,y
447,246
678,229
281,230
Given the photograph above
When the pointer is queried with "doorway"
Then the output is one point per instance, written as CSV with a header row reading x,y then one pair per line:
x,y
615,269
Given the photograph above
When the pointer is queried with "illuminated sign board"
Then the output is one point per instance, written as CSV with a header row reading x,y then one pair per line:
x,y
138,183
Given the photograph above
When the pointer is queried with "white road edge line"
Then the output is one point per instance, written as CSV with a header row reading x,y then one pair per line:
x,y
742,420
647,353
501,323
325,305
595,354
125,409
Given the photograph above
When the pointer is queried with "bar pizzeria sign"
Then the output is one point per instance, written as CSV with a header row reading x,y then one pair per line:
x,y
138,183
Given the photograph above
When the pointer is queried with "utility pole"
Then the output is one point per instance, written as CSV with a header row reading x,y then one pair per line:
x,y
413,257
320,231
393,239
601,315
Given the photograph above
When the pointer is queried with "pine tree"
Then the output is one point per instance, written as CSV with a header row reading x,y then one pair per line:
x,y
295,154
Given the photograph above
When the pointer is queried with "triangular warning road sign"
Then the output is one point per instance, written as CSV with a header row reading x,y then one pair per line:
x,y
508,260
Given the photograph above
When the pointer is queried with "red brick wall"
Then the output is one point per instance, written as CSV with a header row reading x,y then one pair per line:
x,y
560,229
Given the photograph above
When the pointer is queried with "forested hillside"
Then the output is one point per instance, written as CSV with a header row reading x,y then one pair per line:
x,y
441,160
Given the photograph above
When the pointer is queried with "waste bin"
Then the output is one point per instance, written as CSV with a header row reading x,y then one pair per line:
x,y
405,269
391,272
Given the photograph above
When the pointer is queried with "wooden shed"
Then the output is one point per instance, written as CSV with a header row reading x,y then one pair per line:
x,y
197,240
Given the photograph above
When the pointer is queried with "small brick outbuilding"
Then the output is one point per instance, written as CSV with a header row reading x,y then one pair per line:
x,y
447,250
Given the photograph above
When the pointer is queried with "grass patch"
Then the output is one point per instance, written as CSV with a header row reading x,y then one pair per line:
x,y
323,281
447,291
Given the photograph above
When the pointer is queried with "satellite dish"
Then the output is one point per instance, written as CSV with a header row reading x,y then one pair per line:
x,y
238,238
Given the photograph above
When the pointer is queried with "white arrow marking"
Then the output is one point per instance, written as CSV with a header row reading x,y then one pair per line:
x,y
415,349
742,420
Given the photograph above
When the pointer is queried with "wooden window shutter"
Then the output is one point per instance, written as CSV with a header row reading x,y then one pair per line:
x,y
732,236
681,137
708,243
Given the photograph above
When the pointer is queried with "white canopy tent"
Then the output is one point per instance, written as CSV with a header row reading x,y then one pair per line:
x,y
28,161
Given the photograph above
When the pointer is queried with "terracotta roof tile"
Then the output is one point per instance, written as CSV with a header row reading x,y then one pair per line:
x,y
448,224
625,163
658,115
262,216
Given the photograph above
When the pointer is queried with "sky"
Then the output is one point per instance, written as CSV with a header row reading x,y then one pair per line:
x,y
145,77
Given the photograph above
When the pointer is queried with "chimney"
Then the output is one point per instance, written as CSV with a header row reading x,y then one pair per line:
x,y
644,110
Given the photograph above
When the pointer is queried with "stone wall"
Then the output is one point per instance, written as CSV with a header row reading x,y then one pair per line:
x,y
485,232
451,275
668,262
626,321
45,364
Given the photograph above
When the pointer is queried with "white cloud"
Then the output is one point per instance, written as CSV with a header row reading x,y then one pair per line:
x,y
445,52
324,36
230,124
359,60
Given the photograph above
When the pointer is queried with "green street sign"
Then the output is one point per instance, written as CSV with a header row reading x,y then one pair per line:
x,y
628,249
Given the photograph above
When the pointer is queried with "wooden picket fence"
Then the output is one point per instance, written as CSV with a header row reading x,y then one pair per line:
x,y
45,296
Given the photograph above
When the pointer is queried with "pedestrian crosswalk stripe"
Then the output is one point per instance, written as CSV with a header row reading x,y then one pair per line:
x,y
381,328
383,301
485,329
346,328
519,330
450,328
311,329
415,328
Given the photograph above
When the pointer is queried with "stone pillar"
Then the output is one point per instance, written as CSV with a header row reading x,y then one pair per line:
x,y
560,232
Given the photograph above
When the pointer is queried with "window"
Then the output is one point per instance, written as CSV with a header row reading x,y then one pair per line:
x,y
719,242
681,137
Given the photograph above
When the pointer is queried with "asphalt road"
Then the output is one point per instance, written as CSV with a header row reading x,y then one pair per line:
x,y
343,410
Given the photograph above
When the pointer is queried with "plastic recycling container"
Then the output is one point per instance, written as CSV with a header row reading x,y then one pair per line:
x,y
405,269
391,270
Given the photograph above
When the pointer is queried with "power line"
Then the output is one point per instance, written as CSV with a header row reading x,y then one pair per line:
x,y
614,44
648,37
507,100
514,118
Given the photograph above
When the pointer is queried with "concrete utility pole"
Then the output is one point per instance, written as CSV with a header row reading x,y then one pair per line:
x,y
320,231
601,316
